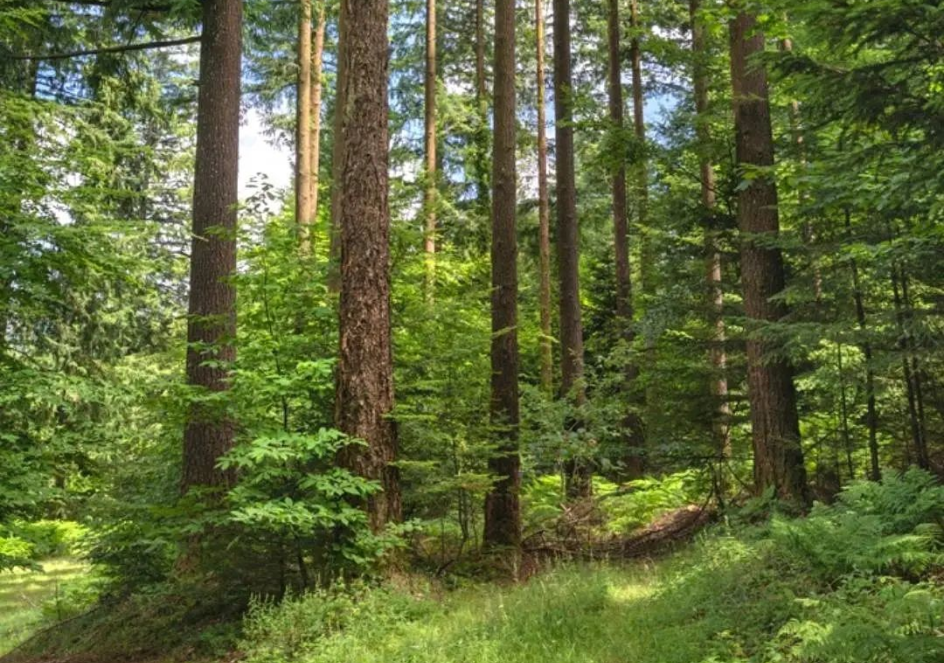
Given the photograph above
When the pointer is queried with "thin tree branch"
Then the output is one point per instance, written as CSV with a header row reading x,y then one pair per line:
x,y
109,49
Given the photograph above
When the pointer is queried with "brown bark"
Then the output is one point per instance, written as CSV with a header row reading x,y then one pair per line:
x,y
641,167
502,508
544,211
211,325
717,355
568,252
633,433
911,374
365,396
429,192
303,214
317,63
778,456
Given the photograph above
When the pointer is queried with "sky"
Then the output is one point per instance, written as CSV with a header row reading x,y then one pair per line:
x,y
257,155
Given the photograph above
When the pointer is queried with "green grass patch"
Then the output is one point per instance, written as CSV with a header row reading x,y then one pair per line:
x,y
26,597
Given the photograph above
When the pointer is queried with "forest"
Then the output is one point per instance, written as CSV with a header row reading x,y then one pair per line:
x,y
472,331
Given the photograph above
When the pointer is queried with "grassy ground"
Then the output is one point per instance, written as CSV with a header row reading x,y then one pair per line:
x,y
22,594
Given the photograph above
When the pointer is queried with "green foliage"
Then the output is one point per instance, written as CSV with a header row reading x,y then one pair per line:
x,y
52,538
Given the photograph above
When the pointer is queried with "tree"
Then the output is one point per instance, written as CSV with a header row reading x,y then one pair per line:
x,y
211,325
778,456
365,369
502,508
316,93
568,252
544,209
642,167
717,354
633,434
429,142
303,210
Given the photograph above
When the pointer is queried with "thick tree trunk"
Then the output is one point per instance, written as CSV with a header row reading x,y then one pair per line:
x,y
365,368
568,253
317,65
544,211
717,355
429,192
502,508
211,326
303,215
778,456
481,99
642,165
633,432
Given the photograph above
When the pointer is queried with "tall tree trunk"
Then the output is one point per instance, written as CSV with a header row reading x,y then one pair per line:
x,y
641,167
633,433
502,509
303,214
337,161
717,355
317,65
211,325
568,252
875,471
481,99
544,211
778,456
912,380
365,369
429,192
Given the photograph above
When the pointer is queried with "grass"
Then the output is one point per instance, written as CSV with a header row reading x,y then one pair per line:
x,y
22,594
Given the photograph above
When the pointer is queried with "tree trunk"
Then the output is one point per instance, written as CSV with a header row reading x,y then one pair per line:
x,y
481,98
337,162
717,355
912,379
633,433
429,192
778,456
571,327
642,167
303,214
502,509
365,369
544,212
875,471
211,325
317,64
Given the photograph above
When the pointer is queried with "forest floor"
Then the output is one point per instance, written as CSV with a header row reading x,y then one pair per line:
x,y
23,594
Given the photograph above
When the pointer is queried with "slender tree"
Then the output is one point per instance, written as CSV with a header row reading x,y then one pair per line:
x,y
429,139
641,166
365,369
544,210
303,215
317,64
633,433
717,355
337,162
502,508
211,325
568,252
778,456
481,100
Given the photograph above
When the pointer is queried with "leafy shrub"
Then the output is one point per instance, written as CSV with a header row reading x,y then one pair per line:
x,y
72,598
52,538
15,552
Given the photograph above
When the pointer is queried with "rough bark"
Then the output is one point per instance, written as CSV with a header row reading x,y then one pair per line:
x,y
303,215
544,210
211,325
719,382
429,134
778,456
633,433
337,163
317,65
365,369
568,252
502,508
